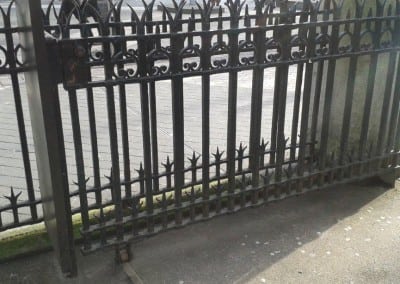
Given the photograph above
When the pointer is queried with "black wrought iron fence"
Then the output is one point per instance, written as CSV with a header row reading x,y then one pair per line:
x,y
147,48
19,193
108,62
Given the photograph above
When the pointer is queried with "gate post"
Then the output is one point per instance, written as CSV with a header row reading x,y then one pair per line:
x,y
44,109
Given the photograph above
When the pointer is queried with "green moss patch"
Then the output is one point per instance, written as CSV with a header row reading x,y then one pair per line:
x,y
32,239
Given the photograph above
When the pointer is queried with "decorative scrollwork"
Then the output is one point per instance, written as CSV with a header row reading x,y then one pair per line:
x,y
366,40
299,46
161,55
246,53
18,56
322,44
3,58
273,50
189,54
386,38
96,51
129,62
345,43
219,55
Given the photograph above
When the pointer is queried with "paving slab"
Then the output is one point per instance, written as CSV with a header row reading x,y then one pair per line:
x,y
345,234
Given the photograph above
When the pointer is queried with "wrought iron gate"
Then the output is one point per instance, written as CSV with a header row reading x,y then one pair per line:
x,y
152,47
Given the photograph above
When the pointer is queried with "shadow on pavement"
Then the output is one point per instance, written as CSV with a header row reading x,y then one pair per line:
x,y
228,249
237,247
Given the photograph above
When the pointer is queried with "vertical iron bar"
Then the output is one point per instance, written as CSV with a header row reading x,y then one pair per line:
x,y
144,102
351,78
12,61
326,115
92,122
284,35
275,109
233,59
154,138
318,84
80,166
177,42
296,111
307,94
302,33
125,139
112,128
94,145
153,120
274,122
371,82
120,47
205,62
256,105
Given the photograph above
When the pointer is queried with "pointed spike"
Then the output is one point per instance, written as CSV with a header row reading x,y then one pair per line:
x,y
106,176
140,171
12,196
370,13
102,216
247,21
192,14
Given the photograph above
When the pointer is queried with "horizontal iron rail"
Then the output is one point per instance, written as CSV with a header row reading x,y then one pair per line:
x,y
116,82
237,194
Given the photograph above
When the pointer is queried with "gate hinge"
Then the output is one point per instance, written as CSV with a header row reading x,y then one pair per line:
x,y
68,60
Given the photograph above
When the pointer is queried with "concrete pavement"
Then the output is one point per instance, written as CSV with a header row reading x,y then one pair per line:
x,y
345,234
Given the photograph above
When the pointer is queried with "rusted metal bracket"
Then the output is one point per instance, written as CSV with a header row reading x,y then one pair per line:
x,y
68,61
123,253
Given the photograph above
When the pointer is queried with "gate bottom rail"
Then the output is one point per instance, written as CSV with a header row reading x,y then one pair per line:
x,y
135,227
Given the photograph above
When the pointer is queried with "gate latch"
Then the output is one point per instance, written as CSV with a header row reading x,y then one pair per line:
x,y
68,59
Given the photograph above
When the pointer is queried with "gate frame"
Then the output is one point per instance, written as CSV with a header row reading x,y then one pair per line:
x,y
44,109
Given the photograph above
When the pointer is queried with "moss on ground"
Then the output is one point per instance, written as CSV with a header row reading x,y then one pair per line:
x,y
34,238
30,239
